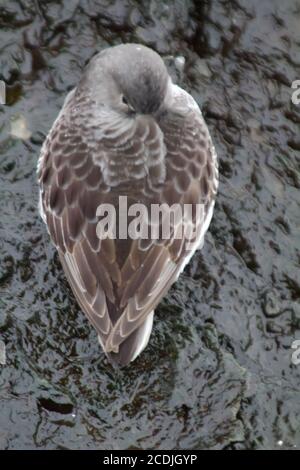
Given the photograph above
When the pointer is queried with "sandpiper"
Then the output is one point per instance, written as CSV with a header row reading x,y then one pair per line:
x,y
125,130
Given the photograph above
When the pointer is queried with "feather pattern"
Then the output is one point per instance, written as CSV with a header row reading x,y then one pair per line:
x,y
93,155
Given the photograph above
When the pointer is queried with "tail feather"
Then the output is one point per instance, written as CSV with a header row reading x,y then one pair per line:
x,y
130,349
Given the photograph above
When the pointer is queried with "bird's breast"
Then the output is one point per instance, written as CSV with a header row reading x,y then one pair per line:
x,y
132,150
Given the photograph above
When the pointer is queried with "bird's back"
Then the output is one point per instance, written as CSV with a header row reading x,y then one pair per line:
x,y
90,159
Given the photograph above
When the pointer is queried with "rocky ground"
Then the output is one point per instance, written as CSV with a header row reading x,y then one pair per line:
x,y
218,371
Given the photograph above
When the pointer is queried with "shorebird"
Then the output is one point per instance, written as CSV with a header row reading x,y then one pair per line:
x,y
125,130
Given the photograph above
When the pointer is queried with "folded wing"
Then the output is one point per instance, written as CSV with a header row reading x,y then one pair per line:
x,y
118,283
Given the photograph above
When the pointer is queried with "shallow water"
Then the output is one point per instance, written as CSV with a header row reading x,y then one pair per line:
x,y
218,371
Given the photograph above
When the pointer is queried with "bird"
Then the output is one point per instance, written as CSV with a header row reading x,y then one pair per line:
x,y
126,130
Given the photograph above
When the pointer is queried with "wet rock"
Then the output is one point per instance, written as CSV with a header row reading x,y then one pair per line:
x,y
55,406
217,372
271,304
19,128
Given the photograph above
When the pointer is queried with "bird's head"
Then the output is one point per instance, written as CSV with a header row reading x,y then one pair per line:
x,y
129,78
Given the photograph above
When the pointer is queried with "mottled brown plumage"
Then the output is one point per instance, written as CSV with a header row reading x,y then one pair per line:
x,y
155,148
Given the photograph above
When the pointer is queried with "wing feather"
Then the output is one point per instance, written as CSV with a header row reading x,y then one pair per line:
x,y
118,283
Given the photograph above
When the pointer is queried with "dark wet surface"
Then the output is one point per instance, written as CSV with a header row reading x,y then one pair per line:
x,y
218,371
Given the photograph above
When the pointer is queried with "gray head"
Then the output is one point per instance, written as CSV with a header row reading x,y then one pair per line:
x,y
128,78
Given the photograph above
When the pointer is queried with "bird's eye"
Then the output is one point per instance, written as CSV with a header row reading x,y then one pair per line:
x,y
129,108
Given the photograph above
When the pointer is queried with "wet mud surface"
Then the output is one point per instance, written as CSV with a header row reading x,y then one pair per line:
x,y
218,370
